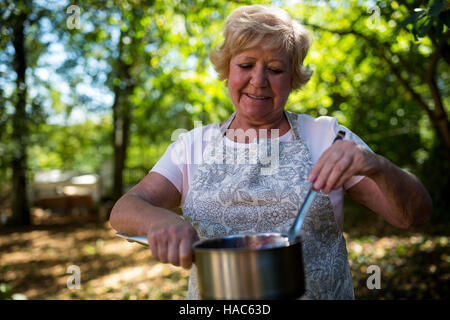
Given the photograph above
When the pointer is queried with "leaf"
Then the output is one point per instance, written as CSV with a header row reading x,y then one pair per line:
x,y
436,8
445,18
439,30
418,27
415,16
423,30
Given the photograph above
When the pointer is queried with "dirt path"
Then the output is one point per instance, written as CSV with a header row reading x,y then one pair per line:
x,y
34,262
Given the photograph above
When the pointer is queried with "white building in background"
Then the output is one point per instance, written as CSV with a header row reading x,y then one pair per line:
x,y
57,183
54,184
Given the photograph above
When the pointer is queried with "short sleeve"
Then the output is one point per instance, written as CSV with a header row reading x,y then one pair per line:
x,y
170,164
319,134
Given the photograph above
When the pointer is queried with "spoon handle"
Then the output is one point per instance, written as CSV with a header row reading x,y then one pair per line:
x,y
294,231
133,238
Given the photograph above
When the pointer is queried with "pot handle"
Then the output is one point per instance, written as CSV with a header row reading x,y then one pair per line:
x,y
139,239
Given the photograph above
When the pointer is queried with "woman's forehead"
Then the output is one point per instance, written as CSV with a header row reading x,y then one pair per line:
x,y
269,55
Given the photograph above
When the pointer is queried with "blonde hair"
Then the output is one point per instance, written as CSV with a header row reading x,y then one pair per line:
x,y
269,27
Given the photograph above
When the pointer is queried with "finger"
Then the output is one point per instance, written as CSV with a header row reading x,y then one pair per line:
x,y
162,247
186,253
314,173
173,249
336,173
342,180
173,253
324,173
152,244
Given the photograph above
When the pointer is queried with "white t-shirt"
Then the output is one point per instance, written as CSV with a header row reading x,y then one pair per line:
x,y
181,159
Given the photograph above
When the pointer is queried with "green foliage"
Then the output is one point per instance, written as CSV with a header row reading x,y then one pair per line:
x,y
422,20
79,147
434,175
360,70
365,73
6,292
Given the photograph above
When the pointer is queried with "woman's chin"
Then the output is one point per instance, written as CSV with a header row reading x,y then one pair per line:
x,y
257,114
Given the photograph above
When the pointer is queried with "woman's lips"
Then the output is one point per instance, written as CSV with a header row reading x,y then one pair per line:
x,y
257,97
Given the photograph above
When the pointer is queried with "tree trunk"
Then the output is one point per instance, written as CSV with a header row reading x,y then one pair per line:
x,y
121,116
121,119
20,205
440,118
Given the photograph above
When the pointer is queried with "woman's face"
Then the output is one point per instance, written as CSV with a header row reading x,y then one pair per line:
x,y
259,83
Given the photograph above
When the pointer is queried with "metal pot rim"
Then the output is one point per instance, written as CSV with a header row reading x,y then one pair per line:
x,y
196,245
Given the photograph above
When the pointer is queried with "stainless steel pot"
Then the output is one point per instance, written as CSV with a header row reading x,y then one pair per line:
x,y
259,266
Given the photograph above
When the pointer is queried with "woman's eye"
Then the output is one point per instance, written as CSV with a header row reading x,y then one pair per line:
x,y
276,71
249,66
245,66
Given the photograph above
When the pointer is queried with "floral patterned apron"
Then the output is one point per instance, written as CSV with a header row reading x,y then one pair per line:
x,y
229,196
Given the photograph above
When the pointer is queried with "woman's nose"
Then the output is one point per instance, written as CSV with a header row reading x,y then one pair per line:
x,y
258,77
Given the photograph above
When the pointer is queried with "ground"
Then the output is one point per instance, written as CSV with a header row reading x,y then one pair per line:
x,y
413,264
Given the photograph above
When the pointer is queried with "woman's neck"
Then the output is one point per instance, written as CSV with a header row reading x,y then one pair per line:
x,y
244,131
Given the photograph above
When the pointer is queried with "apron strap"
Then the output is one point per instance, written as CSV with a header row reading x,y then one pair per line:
x,y
226,124
293,122
291,117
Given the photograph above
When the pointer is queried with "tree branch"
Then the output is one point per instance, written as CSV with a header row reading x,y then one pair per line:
x,y
376,45
439,116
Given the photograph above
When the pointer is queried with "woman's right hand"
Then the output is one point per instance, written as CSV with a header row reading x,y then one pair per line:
x,y
171,242
145,210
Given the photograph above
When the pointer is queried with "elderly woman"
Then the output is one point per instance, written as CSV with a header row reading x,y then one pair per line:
x,y
261,60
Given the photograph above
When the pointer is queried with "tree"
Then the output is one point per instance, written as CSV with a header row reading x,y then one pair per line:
x,y
20,206
387,84
401,62
20,21
149,88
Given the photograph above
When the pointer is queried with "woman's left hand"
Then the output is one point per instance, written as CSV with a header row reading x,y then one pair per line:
x,y
339,163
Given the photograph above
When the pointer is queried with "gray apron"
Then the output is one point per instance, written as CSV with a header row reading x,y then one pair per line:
x,y
231,196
